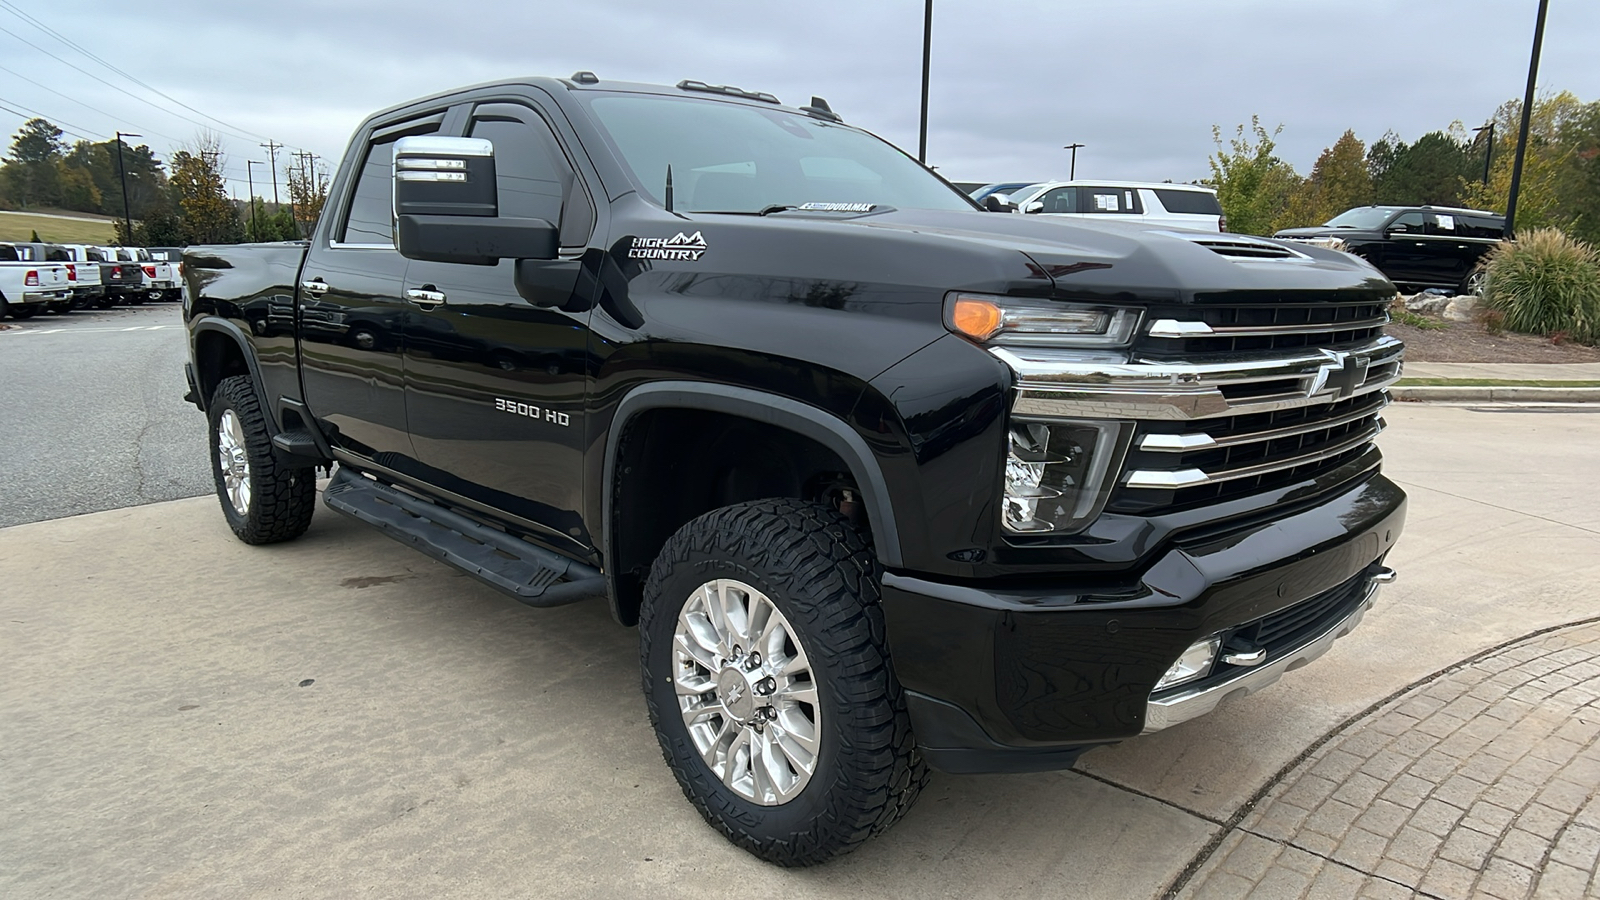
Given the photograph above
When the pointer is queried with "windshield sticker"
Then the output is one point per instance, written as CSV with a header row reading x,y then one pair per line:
x,y
685,247
839,207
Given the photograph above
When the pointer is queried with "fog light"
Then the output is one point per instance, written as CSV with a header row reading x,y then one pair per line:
x,y
1059,474
1194,663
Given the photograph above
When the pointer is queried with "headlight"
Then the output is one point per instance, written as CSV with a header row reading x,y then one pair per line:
x,y
1056,474
1019,320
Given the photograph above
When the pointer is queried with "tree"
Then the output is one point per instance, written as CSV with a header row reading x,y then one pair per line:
x,y
1339,180
1552,184
147,183
1433,170
209,217
1252,185
30,173
78,190
308,191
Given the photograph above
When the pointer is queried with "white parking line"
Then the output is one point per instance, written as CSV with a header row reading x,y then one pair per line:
x,y
26,330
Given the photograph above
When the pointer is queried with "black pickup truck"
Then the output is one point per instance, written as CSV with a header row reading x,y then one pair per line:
x,y
885,480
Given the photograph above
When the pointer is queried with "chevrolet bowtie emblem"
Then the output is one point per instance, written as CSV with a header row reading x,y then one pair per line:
x,y
1342,373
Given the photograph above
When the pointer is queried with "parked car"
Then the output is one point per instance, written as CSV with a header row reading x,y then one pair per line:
x,y
1173,205
1418,247
884,481
29,286
999,187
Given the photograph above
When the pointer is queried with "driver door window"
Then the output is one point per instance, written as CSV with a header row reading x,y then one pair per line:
x,y
535,181
1060,200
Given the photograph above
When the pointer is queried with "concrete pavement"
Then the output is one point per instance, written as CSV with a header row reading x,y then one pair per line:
x,y
158,741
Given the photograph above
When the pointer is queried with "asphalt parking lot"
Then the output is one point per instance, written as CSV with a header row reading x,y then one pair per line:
x,y
94,416
188,716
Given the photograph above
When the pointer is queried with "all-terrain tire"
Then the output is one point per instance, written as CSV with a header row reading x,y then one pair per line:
x,y
281,498
820,574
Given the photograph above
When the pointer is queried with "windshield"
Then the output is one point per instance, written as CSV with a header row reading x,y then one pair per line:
x,y
728,157
1361,217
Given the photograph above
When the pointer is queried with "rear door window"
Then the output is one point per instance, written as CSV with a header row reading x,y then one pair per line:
x,y
1110,200
371,217
1201,203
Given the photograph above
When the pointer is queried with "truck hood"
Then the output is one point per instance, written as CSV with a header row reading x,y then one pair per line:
x,y
1061,258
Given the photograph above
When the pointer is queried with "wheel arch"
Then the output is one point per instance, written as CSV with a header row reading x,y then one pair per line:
x,y
768,410
221,350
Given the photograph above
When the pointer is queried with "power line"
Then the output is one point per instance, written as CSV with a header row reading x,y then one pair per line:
x,y
108,84
88,107
27,113
239,132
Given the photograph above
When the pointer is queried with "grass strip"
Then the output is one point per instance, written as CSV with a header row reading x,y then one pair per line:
x,y
1489,382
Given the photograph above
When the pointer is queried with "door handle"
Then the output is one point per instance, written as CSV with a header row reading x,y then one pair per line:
x,y
425,296
318,287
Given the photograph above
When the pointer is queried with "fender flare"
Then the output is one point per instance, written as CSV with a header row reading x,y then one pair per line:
x,y
773,409
247,350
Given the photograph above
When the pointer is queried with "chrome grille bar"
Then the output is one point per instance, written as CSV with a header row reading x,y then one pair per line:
x,y
1174,328
1183,443
1066,384
1183,478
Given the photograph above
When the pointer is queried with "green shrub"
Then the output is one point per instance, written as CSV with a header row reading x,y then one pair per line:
x,y
1546,283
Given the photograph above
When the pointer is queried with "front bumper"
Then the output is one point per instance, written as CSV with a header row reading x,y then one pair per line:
x,y
1019,679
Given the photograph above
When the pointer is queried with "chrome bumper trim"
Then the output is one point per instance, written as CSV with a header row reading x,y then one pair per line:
x,y
1057,384
1182,706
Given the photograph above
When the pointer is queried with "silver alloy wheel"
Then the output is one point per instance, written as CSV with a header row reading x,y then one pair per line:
x,y
233,461
746,691
1475,283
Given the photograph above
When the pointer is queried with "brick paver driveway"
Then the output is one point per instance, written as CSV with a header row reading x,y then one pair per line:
x,y
1479,782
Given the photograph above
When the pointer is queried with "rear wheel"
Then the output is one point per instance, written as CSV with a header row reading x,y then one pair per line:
x,y
1473,284
24,312
769,684
264,500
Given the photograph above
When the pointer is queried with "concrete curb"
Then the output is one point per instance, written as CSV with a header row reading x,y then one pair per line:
x,y
1502,394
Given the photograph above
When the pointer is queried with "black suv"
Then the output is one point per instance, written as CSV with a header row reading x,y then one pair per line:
x,y
1418,247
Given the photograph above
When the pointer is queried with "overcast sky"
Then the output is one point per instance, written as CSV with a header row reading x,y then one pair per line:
x,y
1139,82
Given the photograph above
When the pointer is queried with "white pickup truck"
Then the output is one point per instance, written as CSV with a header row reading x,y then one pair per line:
x,y
28,288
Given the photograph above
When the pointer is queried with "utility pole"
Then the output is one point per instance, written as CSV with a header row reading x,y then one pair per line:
x,y
250,179
122,170
1073,174
927,58
1527,115
1488,152
272,154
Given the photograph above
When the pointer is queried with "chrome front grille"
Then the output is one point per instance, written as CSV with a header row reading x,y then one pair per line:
x,y
1179,465
1183,332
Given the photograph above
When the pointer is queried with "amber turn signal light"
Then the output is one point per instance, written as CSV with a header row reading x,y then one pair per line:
x,y
977,319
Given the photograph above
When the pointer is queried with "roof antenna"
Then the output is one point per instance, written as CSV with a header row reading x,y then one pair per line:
x,y
669,187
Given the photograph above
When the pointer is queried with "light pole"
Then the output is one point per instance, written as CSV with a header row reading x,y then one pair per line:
x,y
1527,114
250,179
1073,174
927,58
122,170
1488,152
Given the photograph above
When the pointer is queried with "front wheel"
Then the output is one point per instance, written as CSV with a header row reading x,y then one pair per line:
x,y
264,501
769,683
